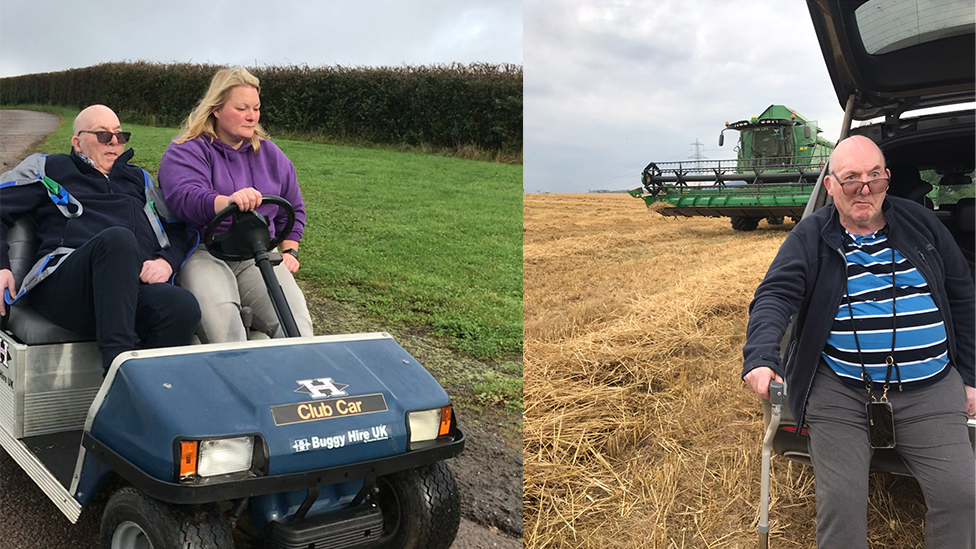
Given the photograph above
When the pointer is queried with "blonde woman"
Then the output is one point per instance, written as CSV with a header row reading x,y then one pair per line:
x,y
224,156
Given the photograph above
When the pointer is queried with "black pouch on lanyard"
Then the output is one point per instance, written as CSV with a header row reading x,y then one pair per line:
x,y
881,425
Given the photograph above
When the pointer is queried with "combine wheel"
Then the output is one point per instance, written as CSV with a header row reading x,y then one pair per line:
x,y
796,218
773,220
745,223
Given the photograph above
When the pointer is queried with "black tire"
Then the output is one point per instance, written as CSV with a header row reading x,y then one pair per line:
x,y
745,223
421,507
133,520
796,218
773,220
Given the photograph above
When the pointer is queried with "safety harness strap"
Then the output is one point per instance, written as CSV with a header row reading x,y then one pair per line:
x,y
150,210
31,171
41,270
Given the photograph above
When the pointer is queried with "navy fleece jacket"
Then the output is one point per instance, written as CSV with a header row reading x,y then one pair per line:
x,y
114,201
806,282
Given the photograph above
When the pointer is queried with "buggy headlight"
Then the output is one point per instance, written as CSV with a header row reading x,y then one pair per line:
x,y
427,425
224,456
209,458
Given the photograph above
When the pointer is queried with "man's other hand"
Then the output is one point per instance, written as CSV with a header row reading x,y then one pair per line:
x,y
155,271
971,401
6,283
758,380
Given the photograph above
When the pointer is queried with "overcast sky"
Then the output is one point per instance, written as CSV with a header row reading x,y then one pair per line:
x,y
53,35
611,85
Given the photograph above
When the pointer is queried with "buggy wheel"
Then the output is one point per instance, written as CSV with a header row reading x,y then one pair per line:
x,y
745,223
773,220
421,508
133,520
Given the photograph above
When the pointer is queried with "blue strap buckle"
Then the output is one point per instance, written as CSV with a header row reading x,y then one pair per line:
x,y
61,198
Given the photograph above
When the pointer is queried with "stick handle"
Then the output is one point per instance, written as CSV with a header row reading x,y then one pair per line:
x,y
776,402
775,393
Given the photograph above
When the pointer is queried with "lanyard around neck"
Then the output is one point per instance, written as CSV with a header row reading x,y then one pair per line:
x,y
894,327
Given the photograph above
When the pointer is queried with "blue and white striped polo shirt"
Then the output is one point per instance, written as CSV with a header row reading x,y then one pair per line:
x,y
920,348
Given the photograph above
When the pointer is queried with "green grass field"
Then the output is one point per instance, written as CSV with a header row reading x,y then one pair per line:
x,y
418,241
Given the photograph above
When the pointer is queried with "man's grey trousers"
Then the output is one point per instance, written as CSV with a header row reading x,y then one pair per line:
x,y
932,438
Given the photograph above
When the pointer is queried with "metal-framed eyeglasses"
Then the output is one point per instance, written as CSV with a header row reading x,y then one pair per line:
x,y
105,137
854,187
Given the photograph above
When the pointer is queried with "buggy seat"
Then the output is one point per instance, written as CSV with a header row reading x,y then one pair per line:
x,y
25,323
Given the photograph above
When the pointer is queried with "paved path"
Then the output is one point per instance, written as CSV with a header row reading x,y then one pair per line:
x,y
27,518
20,132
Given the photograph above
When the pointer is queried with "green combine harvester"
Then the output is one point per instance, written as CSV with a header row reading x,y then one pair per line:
x,y
779,158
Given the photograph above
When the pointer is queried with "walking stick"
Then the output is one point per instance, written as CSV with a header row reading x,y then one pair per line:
x,y
776,410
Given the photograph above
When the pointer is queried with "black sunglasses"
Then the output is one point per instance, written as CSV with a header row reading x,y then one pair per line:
x,y
105,137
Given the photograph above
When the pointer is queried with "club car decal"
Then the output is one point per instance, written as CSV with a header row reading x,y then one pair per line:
x,y
304,412
322,387
355,436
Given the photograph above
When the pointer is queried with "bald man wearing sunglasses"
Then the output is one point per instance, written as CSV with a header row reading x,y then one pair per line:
x,y
108,246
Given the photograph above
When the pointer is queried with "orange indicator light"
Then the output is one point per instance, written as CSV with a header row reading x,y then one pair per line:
x,y
445,427
188,458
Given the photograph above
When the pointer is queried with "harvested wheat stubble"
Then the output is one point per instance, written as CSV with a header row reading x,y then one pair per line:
x,y
638,431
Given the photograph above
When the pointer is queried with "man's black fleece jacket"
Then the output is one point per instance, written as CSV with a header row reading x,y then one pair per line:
x,y
806,282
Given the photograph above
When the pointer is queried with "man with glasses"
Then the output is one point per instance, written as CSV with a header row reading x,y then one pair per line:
x,y
882,349
107,253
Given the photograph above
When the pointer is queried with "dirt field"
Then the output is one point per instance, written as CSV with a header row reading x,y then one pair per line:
x,y
638,431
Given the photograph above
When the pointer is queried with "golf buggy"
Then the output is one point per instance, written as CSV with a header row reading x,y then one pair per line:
x,y
315,442
882,61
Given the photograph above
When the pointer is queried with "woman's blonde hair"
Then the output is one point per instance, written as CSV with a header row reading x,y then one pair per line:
x,y
202,120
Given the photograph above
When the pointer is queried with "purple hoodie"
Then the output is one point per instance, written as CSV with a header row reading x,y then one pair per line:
x,y
192,174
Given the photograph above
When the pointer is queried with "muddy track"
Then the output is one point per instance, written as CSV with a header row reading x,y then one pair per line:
x,y
489,472
490,469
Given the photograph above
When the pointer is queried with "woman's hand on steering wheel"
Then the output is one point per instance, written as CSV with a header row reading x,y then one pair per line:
x,y
246,199
248,231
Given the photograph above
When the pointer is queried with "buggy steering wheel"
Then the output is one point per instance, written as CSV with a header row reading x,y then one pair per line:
x,y
248,233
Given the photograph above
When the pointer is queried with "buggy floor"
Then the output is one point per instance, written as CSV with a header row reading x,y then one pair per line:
x,y
58,452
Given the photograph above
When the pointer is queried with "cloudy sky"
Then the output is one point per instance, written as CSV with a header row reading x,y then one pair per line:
x,y
611,85
53,35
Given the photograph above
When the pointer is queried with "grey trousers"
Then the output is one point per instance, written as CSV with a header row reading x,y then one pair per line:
x,y
223,287
932,438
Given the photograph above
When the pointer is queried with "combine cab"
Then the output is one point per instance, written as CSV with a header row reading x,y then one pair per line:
x,y
778,163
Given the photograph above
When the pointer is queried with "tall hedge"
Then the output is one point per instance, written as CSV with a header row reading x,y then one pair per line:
x,y
476,105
